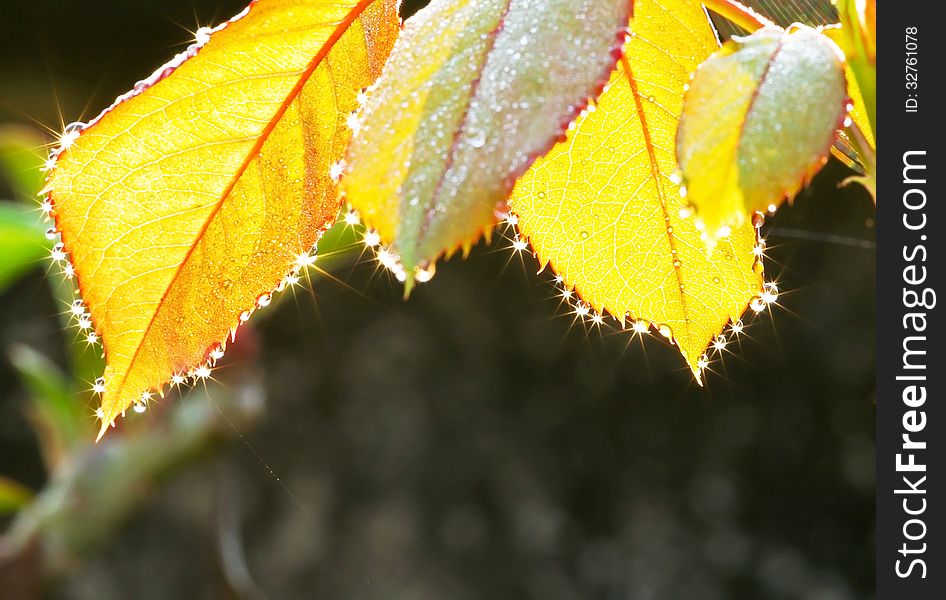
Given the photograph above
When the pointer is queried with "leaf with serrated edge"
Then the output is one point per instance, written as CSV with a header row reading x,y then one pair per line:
x,y
759,120
820,13
473,92
193,195
602,209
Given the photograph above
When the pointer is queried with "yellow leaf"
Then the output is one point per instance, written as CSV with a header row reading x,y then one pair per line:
x,y
603,209
759,120
188,201
473,92
844,149
863,106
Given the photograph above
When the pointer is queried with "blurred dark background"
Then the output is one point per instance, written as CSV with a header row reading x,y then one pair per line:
x,y
473,442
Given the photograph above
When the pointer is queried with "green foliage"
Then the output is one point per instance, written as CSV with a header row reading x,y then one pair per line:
x,y
22,242
760,117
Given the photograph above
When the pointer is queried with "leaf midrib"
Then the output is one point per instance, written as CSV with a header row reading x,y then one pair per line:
x,y
492,36
304,77
655,174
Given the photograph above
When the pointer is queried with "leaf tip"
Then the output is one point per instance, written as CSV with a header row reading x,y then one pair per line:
x,y
102,430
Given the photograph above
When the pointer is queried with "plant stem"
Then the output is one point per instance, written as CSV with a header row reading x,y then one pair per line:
x,y
738,13
867,151
868,156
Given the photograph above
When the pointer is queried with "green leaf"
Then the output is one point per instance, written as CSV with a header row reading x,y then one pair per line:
x,y
473,92
13,495
759,120
859,32
62,421
22,241
21,159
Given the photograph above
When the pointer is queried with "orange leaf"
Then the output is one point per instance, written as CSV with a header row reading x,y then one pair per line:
x,y
184,205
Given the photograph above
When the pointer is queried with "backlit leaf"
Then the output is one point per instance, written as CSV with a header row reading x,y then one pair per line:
x,y
474,91
188,201
602,207
820,13
858,38
759,120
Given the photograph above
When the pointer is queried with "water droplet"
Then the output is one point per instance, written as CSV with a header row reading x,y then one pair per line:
x,y
757,304
758,219
58,253
719,344
476,138
51,233
425,273
585,235
641,326
203,35
336,170
77,308
264,300
769,292
702,362
665,331
140,407
737,327
70,134
245,316
758,268
306,259
75,127
372,238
